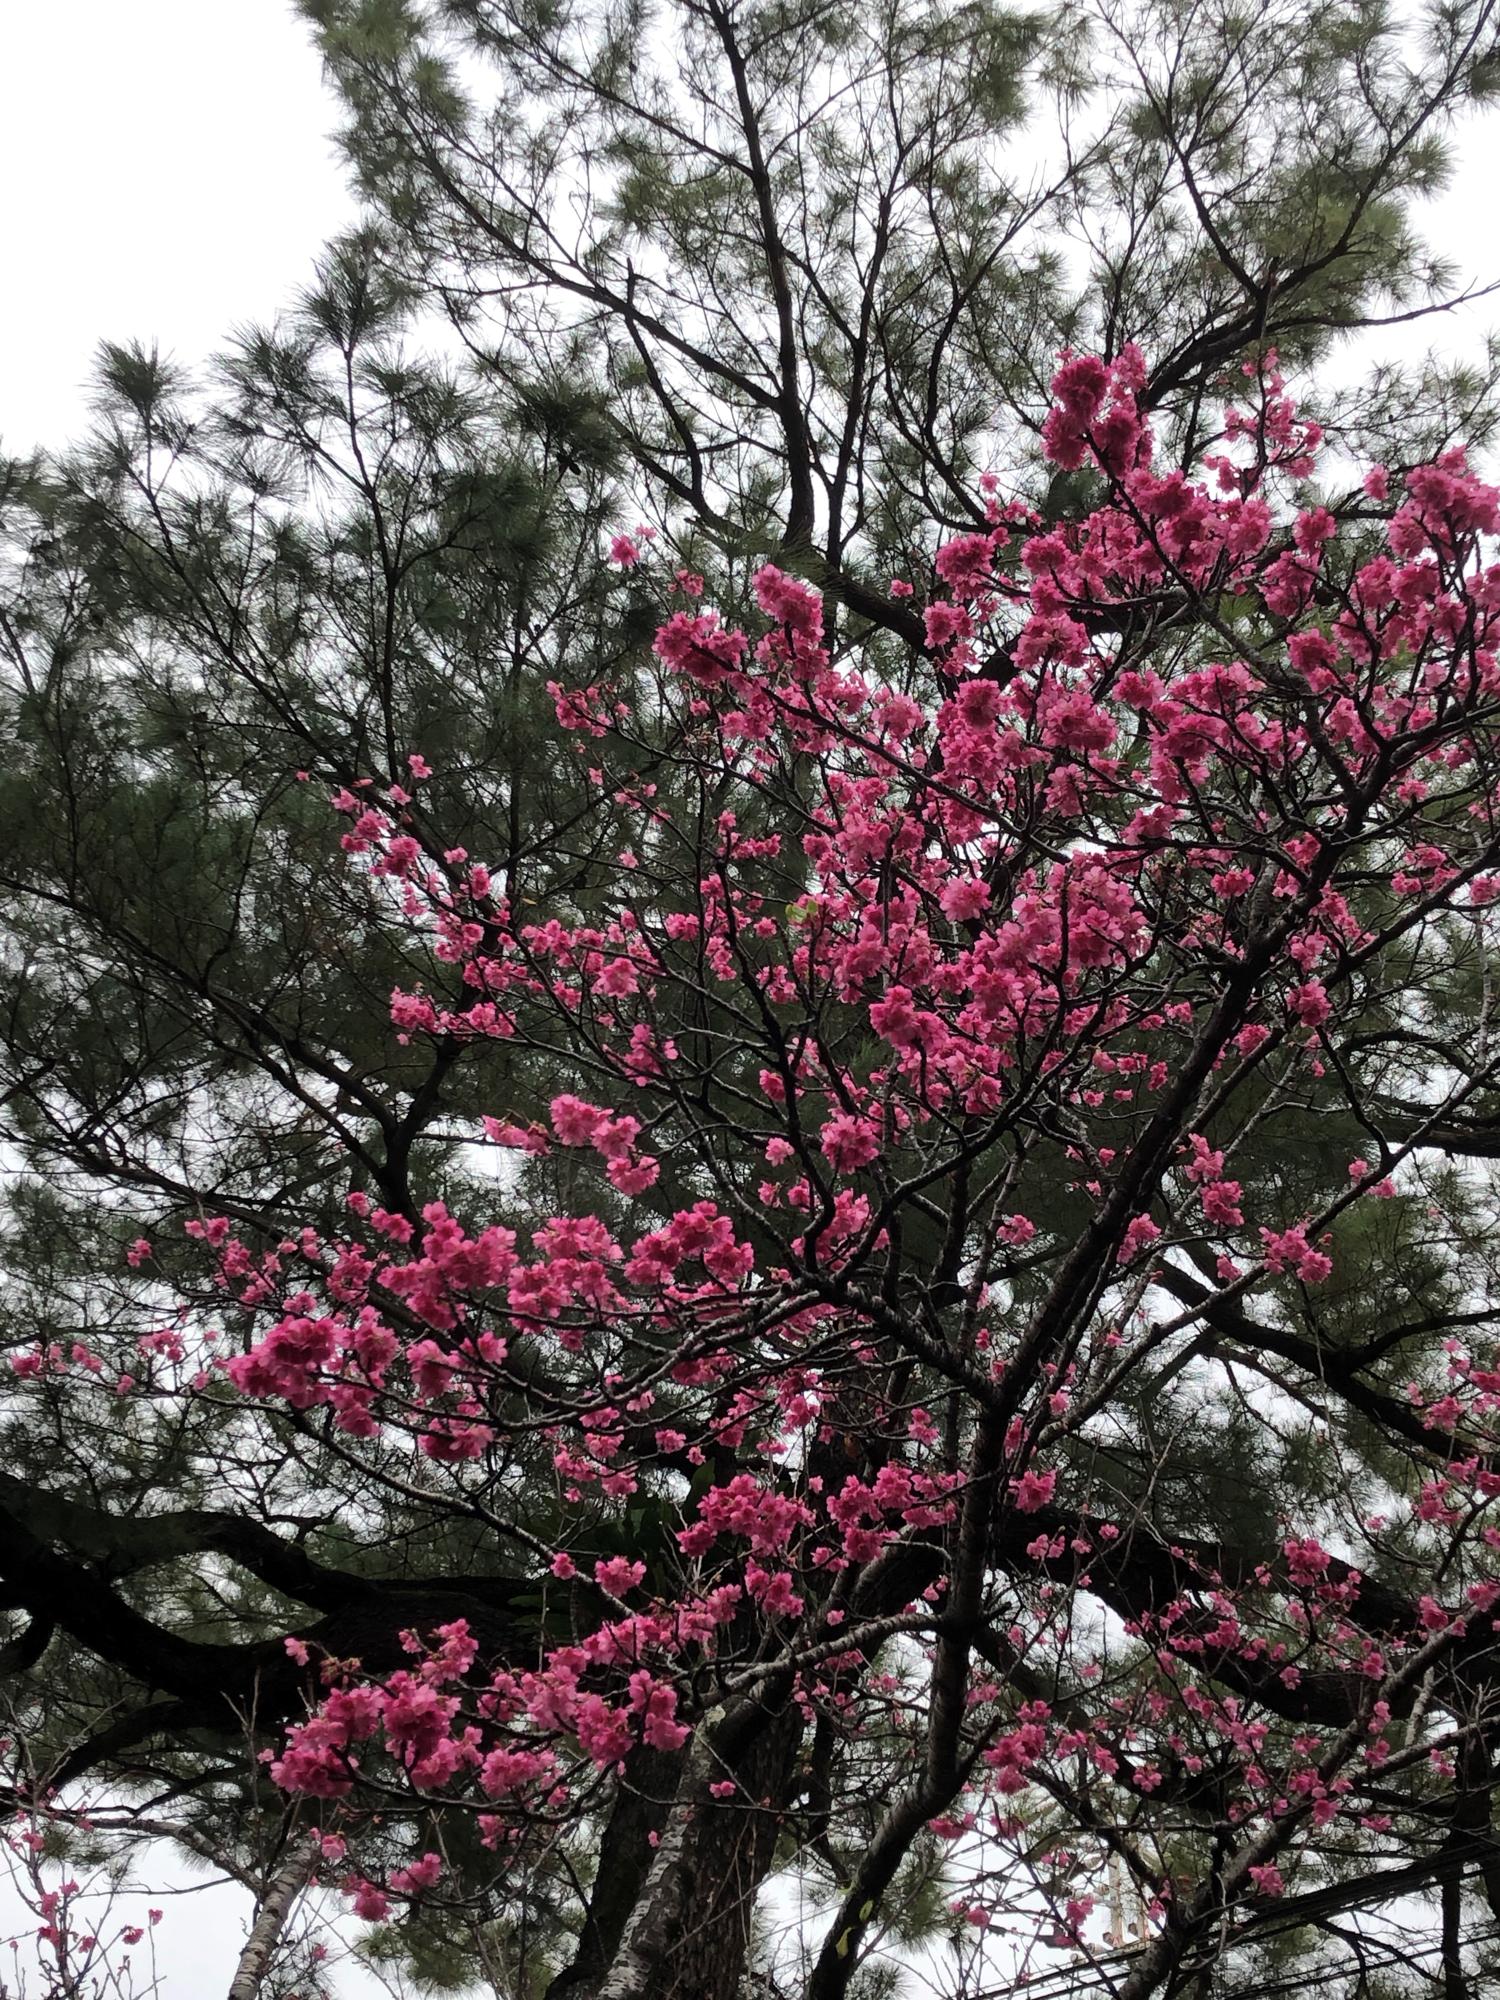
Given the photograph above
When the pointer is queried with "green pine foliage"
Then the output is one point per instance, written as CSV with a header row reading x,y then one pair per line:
x,y
784,279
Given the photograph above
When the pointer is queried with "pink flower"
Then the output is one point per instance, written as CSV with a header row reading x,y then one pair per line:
x,y
943,623
618,1575
369,1902
633,1176
964,898
1221,1204
789,602
604,1732
849,1142
507,1769
527,1138
1290,1251
618,980
420,1875
1139,1232
574,1122
1034,1490
964,564
1309,1003
772,1589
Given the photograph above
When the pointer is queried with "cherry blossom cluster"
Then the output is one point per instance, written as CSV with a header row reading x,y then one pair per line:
x,y
1122,846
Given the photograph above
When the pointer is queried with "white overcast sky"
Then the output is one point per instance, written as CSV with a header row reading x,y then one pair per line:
x,y
167,174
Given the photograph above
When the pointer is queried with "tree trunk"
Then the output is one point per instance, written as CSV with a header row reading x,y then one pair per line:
x,y
689,1935
276,1906
640,1809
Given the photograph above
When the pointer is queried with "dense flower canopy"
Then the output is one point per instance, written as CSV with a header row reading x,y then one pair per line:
x,y
970,1003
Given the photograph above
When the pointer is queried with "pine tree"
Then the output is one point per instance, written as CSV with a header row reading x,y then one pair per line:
x,y
232,595
821,259
785,282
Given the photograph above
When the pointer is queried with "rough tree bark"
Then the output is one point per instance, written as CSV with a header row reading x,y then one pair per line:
x,y
276,1906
